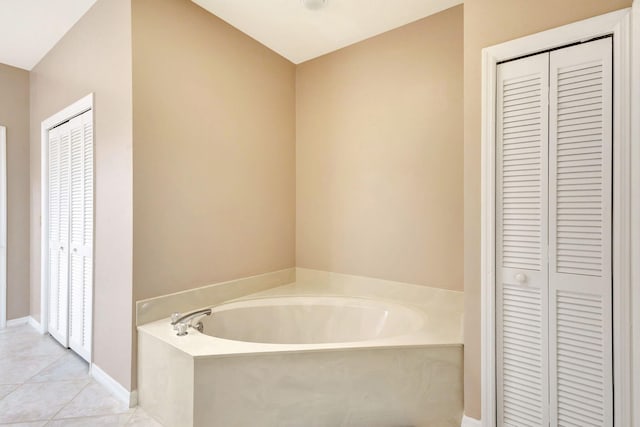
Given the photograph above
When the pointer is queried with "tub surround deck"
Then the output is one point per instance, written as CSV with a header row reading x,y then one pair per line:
x,y
441,311
149,310
412,378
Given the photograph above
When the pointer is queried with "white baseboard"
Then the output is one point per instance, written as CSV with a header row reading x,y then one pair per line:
x,y
35,325
24,321
470,422
17,322
128,397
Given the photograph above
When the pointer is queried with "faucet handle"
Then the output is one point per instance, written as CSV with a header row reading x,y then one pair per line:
x,y
174,318
182,329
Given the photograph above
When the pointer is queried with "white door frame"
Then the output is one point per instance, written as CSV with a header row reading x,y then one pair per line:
x,y
3,227
617,24
635,200
75,109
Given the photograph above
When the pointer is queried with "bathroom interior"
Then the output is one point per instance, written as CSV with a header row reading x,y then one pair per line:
x,y
284,210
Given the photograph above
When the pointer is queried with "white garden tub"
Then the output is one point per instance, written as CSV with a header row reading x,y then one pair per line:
x,y
313,360
305,320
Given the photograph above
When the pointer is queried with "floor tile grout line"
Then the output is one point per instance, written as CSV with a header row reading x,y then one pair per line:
x,y
53,417
46,367
46,421
135,409
34,375
68,351
124,418
67,404
12,391
64,353
81,417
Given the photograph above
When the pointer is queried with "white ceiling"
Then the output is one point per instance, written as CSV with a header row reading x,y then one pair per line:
x,y
300,34
30,28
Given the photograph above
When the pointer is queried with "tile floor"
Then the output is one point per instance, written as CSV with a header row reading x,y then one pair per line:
x,y
43,384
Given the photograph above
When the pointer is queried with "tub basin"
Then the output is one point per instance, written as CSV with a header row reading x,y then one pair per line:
x,y
316,320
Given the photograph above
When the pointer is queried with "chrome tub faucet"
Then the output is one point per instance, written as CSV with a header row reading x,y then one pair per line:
x,y
181,322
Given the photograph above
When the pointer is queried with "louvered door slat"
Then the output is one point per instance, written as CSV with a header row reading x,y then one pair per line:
x,y
53,226
88,229
81,280
58,225
521,242
580,235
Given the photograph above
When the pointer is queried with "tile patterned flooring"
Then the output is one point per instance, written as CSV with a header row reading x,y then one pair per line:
x,y
43,384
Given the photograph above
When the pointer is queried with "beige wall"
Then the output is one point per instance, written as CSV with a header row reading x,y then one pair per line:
x,y
489,22
214,151
14,115
95,56
379,156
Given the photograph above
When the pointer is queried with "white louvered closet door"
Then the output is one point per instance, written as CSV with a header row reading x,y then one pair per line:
x,y
58,226
521,242
553,242
70,225
81,234
580,282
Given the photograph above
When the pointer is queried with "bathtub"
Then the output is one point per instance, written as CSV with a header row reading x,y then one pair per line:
x,y
303,360
308,322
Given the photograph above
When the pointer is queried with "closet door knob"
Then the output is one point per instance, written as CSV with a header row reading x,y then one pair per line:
x,y
521,278
62,248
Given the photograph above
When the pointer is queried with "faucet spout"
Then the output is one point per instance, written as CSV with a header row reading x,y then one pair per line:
x,y
187,317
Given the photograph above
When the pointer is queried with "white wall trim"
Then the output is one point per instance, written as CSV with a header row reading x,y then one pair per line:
x,y
35,324
128,397
73,110
618,24
635,201
27,320
17,322
470,422
3,227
